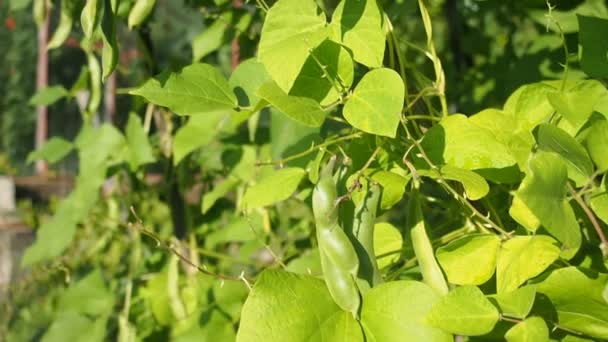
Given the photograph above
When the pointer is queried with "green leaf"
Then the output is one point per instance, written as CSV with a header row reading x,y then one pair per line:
x,y
599,204
52,151
196,89
298,308
245,81
460,143
532,329
393,187
290,137
301,109
328,67
397,310
518,141
517,303
529,105
212,37
274,187
87,296
71,326
577,103
596,141
592,39
291,29
238,229
48,95
358,24
579,299
553,139
464,311
541,198
306,263
217,327
218,191
17,5
474,185
457,257
157,299
376,103
388,244
140,150
521,258
98,149
199,131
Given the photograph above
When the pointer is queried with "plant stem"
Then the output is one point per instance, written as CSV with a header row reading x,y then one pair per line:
x,y
443,182
422,117
592,219
173,249
311,149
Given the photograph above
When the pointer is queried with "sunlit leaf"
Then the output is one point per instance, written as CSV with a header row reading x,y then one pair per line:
x,y
464,311
275,187
195,89
457,257
375,105
291,29
521,258
300,309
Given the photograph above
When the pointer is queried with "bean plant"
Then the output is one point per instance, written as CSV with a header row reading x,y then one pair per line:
x,y
343,199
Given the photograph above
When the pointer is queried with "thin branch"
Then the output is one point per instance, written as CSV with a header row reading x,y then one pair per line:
x,y
168,245
443,182
311,149
591,216
266,246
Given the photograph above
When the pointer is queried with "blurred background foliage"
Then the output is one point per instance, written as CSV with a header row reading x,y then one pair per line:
x,y
113,281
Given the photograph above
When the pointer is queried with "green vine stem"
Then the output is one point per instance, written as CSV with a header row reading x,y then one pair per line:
x,y
311,149
443,182
439,74
173,248
551,19
592,219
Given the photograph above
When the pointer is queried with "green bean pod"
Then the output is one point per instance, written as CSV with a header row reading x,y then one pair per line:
x,y
338,247
339,259
89,17
140,11
341,285
64,28
95,78
324,197
363,232
431,272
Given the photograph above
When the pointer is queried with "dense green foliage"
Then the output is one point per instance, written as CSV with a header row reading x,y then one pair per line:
x,y
329,188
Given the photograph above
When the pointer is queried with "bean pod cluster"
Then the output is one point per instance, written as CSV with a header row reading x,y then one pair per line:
x,y
347,257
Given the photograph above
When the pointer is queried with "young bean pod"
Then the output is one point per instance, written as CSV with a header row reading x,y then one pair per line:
x,y
338,247
341,285
140,11
339,259
431,272
324,197
89,17
363,232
